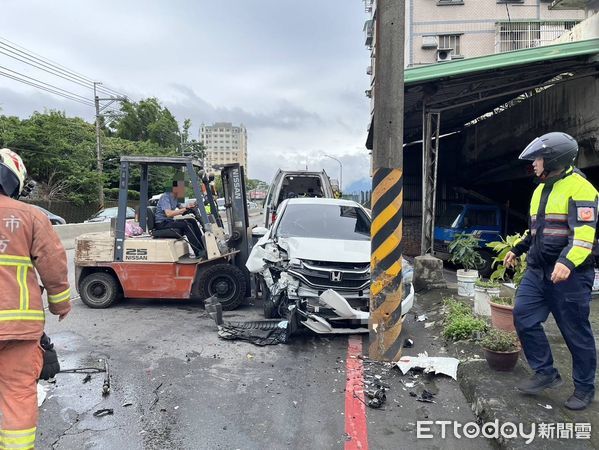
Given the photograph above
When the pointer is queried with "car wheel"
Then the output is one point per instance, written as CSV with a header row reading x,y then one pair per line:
x,y
99,290
270,309
226,282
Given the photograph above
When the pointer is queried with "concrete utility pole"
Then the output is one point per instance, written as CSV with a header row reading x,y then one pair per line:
x,y
386,291
99,115
99,163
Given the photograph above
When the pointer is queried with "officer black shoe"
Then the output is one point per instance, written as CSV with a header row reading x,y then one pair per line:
x,y
579,400
539,382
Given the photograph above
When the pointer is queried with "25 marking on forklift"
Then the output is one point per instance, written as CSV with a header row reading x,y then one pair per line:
x,y
136,254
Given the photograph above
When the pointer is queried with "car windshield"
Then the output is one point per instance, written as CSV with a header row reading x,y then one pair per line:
x,y
108,212
324,222
449,218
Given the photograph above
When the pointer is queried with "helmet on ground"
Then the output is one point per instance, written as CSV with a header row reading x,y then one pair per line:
x,y
557,149
12,173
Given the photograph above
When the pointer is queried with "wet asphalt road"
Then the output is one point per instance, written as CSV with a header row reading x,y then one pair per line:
x,y
176,385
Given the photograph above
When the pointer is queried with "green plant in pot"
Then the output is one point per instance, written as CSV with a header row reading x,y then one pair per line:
x,y
464,252
484,290
501,349
502,248
502,308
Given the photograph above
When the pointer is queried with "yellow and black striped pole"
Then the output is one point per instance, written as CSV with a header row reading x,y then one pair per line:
x,y
387,184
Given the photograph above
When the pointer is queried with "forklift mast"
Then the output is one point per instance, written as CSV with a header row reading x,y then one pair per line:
x,y
233,179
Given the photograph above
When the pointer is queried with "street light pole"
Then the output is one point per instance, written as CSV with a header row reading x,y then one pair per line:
x,y
340,172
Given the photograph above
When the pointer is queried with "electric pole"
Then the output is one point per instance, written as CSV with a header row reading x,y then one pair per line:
x,y
99,116
386,291
99,163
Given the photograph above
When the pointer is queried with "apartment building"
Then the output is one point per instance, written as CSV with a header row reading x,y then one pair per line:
x,y
444,30
441,30
225,144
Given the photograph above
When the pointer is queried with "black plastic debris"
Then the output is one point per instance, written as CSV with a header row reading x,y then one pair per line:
x,y
258,332
104,412
377,398
408,343
426,397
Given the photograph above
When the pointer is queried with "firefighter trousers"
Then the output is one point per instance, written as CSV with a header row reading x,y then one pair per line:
x,y
569,302
20,367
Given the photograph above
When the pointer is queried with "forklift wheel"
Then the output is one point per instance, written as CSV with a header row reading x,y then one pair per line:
x,y
99,290
270,310
226,282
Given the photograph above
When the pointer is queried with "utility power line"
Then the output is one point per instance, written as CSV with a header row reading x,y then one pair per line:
x,y
21,54
46,87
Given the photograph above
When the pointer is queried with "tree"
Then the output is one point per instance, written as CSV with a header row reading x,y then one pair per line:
x,y
191,147
147,120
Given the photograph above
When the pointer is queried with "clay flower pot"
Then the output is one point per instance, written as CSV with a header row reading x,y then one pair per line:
x,y
502,316
501,361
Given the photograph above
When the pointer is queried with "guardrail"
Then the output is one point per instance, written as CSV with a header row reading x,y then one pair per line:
x,y
69,232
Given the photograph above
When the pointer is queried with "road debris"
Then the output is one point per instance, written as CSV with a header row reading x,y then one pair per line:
x,y
408,343
87,378
434,364
429,324
124,405
156,396
104,412
377,398
426,397
545,406
257,332
421,318
106,384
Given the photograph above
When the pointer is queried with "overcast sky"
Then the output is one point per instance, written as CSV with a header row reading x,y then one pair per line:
x,y
293,72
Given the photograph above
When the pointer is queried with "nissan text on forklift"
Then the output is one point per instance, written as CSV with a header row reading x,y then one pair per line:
x,y
156,265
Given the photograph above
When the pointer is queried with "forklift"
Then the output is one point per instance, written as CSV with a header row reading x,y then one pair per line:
x,y
157,264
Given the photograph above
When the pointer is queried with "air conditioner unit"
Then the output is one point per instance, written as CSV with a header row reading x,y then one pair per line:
x,y
429,42
368,93
444,54
369,70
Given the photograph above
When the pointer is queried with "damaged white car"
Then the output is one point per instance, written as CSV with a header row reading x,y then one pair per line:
x,y
313,265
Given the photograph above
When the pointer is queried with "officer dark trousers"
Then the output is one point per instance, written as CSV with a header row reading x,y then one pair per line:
x,y
569,302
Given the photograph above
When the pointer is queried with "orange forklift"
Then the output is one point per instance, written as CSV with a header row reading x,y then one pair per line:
x,y
156,265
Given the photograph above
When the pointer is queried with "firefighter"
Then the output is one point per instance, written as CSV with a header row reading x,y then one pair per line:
x,y
27,244
560,268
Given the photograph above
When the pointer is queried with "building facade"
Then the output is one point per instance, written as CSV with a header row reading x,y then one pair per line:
x,y
225,144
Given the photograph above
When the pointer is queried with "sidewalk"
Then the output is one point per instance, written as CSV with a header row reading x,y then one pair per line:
x,y
492,394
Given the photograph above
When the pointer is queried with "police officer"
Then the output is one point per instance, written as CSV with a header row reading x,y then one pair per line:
x,y
560,269
28,244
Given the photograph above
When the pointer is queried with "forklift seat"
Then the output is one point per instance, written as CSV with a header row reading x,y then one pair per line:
x,y
167,233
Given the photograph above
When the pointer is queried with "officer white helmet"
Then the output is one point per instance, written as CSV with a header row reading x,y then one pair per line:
x,y
12,173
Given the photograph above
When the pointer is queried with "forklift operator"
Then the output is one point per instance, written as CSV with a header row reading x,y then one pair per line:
x,y
168,207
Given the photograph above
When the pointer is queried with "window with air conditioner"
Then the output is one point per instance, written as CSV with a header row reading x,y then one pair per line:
x,y
448,47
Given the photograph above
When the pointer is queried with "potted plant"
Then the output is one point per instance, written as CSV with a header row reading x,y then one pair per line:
x,y
502,313
501,349
484,290
464,252
502,248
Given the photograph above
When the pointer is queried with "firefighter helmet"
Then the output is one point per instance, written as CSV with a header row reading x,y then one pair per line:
x,y
12,173
557,149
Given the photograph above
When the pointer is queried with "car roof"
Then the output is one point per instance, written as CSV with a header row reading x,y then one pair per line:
x,y
321,201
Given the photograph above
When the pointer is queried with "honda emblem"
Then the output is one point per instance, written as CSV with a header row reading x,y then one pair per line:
x,y
336,277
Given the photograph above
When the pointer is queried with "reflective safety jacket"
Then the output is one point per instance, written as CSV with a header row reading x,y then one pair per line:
x,y
28,243
563,218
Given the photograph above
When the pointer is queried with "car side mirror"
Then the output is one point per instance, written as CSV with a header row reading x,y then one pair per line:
x,y
259,231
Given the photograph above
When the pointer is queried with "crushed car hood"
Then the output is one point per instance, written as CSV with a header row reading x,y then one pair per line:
x,y
332,250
